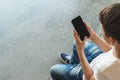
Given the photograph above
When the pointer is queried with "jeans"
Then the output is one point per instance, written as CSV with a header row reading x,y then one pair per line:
x,y
73,71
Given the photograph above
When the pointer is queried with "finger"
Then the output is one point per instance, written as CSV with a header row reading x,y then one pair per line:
x,y
88,27
85,38
76,36
86,23
74,31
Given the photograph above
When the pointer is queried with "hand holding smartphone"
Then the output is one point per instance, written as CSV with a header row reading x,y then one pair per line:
x,y
80,27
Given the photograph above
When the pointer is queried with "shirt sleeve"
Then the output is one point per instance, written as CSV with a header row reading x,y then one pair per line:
x,y
98,75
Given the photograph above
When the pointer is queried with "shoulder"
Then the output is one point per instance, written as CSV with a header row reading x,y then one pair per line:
x,y
110,71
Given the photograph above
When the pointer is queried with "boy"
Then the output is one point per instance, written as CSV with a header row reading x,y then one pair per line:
x,y
104,62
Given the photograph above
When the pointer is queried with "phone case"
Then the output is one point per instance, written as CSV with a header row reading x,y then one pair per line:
x,y
80,27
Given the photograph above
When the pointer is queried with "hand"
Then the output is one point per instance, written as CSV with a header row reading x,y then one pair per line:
x,y
90,31
79,44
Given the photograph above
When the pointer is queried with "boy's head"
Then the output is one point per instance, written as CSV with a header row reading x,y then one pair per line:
x,y
110,20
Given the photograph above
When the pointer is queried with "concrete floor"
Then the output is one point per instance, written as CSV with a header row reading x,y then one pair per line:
x,y
33,32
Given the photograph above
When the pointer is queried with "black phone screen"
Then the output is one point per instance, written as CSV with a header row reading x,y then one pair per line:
x,y
80,27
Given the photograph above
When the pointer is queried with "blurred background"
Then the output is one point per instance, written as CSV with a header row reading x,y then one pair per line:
x,y
33,32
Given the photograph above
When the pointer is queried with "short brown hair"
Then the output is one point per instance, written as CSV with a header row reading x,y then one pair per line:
x,y
110,20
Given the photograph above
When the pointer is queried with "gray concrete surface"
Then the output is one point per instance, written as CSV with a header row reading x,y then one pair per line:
x,y
33,32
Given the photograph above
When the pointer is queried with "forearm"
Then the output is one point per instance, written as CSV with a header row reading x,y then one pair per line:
x,y
104,46
88,72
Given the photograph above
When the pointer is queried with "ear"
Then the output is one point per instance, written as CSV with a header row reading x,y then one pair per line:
x,y
112,41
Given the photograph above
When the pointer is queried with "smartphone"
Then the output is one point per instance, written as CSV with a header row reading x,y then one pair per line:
x,y
80,27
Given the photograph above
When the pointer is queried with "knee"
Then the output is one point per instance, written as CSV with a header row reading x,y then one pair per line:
x,y
59,71
55,71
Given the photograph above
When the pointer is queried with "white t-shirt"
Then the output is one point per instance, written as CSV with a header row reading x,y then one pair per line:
x,y
106,67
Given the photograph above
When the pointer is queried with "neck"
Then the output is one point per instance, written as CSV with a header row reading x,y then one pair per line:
x,y
117,51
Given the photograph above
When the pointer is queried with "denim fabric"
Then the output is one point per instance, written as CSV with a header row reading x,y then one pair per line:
x,y
73,71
